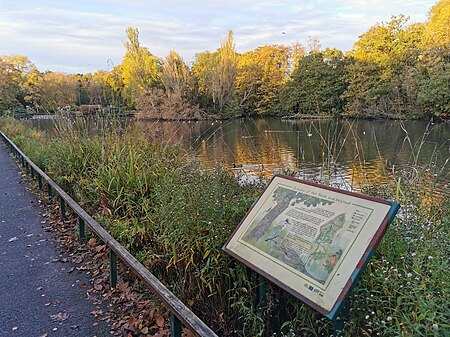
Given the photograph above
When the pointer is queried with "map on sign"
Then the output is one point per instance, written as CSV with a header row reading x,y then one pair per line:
x,y
311,240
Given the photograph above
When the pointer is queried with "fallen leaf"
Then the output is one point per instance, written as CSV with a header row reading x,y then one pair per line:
x,y
44,335
91,242
79,259
160,321
99,248
97,313
188,333
59,317
98,287
14,328
162,333
13,239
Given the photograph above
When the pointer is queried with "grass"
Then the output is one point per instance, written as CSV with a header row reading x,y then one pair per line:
x,y
176,217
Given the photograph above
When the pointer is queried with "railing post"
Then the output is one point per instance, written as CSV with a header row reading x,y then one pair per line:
x,y
32,173
40,182
112,268
175,326
62,205
27,166
23,160
49,192
81,230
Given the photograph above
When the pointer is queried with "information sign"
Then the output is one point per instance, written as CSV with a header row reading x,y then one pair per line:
x,y
311,240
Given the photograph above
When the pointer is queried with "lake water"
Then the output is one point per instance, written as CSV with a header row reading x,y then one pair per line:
x,y
345,153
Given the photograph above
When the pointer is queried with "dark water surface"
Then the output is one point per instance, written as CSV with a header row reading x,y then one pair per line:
x,y
346,153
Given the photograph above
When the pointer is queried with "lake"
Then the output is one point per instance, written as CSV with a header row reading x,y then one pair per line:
x,y
345,153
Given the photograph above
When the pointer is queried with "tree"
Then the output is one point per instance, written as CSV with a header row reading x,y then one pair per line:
x,y
172,101
386,57
261,74
14,73
436,36
434,67
9,88
434,88
224,72
215,75
58,90
201,72
140,69
32,88
175,75
317,84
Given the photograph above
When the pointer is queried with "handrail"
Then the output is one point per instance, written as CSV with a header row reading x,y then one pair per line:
x,y
178,310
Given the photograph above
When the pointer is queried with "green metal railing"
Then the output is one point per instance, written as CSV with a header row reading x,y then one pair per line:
x,y
179,312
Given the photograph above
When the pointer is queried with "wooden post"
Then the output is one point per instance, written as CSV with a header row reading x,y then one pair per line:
x,y
40,182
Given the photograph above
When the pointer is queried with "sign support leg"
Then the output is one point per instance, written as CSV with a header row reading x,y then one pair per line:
x,y
339,322
262,290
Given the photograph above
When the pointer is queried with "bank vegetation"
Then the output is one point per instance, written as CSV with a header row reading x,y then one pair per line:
x,y
175,218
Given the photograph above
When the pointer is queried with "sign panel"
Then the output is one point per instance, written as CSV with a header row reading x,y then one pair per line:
x,y
311,240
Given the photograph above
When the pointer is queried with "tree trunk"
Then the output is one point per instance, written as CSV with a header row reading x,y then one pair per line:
x,y
268,219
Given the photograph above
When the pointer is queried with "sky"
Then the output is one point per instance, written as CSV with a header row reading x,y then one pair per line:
x,y
81,36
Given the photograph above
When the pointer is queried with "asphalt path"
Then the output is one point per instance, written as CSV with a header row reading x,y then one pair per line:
x,y
40,294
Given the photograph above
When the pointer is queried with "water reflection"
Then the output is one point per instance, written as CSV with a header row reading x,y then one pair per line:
x,y
346,153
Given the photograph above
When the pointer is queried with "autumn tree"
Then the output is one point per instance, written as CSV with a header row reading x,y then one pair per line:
x,y
434,66
385,56
171,101
215,75
201,79
140,69
436,36
175,75
261,73
58,90
14,73
104,88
